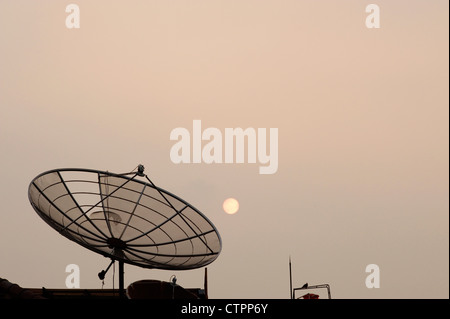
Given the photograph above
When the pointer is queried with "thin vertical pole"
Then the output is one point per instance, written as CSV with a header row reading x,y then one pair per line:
x,y
290,278
121,281
206,283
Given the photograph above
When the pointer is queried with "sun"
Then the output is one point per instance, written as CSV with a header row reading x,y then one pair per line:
x,y
230,206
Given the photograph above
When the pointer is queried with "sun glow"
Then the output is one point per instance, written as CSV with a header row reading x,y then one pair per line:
x,y
230,206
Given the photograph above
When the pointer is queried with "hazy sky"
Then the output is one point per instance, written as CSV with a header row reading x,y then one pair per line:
x,y
362,118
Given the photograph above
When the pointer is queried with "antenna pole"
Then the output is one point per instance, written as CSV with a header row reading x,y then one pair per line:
x,y
206,282
121,281
290,278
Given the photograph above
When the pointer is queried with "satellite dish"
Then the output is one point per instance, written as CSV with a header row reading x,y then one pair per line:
x,y
125,217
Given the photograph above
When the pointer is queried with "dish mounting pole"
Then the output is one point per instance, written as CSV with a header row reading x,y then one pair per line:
x,y
102,274
121,281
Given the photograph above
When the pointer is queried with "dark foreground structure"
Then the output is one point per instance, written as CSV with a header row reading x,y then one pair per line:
x,y
143,289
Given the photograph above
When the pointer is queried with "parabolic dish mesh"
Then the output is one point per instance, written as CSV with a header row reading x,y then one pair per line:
x,y
125,218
